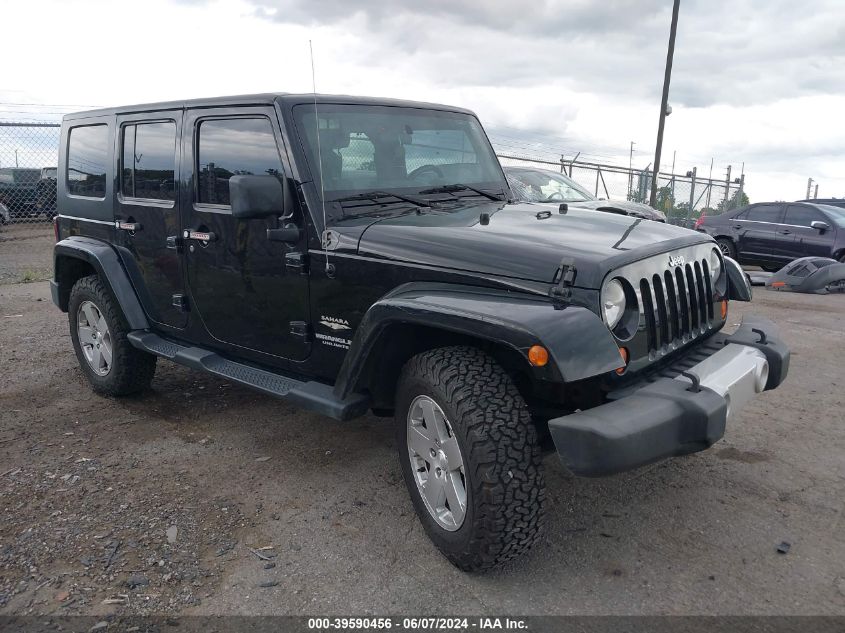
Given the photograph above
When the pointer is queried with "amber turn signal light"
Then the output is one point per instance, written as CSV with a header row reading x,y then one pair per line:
x,y
623,352
538,356
724,306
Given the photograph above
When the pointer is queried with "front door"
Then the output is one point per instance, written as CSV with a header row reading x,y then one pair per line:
x,y
807,241
757,233
239,284
147,211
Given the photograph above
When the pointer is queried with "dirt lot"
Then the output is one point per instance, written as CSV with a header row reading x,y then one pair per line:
x,y
162,503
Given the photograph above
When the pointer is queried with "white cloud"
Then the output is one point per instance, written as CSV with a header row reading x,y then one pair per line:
x,y
754,81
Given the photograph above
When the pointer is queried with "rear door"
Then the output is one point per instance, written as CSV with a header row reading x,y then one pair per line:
x,y
147,216
244,287
807,241
757,232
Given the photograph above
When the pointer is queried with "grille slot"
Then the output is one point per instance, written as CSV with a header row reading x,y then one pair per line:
x,y
677,304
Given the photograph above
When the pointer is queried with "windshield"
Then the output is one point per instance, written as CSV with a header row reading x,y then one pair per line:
x,y
835,213
540,185
395,149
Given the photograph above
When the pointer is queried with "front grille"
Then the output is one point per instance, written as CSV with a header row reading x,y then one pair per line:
x,y
677,304
676,301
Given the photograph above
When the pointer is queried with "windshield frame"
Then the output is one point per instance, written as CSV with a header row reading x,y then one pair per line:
x,y
301,112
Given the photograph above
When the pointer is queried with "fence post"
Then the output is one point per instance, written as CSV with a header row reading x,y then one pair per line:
x,y
562,165
727,190
692,193
741,190
598,173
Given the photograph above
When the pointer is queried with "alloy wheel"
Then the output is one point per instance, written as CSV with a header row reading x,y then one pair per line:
x,y
437,463
94,338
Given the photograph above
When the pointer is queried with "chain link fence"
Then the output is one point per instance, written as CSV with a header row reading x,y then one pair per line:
x,y
29,154
28,159
683,198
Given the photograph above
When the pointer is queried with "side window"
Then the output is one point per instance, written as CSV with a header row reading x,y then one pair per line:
x,y
765,213
149,161
801,215
87,156
231,147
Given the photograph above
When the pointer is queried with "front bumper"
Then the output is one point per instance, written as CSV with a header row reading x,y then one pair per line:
x,y
674,413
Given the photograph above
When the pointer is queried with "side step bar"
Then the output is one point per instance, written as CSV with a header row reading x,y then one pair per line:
x,y
312,395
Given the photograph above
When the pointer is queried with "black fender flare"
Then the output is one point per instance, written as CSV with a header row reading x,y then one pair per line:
x,y
105,261
579,344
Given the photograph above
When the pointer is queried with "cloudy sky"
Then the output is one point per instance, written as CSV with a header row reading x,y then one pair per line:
x,y
755,81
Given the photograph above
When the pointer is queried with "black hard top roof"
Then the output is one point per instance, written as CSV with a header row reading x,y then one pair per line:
x,y
269,98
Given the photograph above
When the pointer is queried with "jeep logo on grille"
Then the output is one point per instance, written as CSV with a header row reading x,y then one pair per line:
x,y
676,260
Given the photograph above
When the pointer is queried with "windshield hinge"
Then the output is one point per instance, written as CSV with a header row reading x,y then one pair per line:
x,y
564,279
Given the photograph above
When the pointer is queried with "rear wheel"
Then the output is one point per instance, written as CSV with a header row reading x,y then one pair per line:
x,y
98,330
727,247
470,457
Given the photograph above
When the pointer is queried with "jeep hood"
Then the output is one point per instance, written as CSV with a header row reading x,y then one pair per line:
x,y
523,241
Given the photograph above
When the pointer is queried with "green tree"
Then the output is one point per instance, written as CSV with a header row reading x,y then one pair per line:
x,y
734,202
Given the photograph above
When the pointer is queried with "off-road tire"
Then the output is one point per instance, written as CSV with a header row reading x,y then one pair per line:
x,y
727,247
502,459
131,370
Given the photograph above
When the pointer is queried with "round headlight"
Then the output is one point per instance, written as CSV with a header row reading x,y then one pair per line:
x,y
715,264
613,302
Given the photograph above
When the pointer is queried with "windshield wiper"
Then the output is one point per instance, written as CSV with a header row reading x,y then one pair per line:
x,y
462,187
375,196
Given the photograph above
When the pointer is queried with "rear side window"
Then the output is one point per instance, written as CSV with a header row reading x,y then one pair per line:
x,y
231,147
87,156
765,213
801,216
149,161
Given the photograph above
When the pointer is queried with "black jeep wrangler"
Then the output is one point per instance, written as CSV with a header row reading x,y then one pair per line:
x,y
355,254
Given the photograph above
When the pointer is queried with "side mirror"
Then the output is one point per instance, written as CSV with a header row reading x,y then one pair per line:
x,y
819,225
739,284
256,196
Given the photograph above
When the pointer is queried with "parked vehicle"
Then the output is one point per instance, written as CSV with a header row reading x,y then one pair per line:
x,y
360,254
831,202
530,184
45,193
17,190
772,234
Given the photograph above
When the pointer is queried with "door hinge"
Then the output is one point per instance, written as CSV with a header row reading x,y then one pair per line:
x,y
564,279
297,262
180,302
301,330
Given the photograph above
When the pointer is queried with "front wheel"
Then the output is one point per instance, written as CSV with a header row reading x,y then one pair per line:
x,y
470,457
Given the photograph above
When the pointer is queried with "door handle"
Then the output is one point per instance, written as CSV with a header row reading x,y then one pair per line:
x,y
785,232
737,226
132,227
200,236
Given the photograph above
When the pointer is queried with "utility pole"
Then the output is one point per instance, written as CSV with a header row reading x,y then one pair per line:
x,y
741,186
692,192
727,190
816,192
709,184
807,197
664,102
631,170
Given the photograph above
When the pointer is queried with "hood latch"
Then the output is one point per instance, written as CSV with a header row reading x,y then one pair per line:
x,y
564,279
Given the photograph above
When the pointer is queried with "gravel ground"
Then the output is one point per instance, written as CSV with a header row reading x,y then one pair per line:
x,y
200,497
